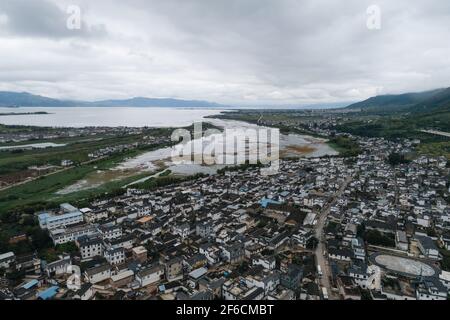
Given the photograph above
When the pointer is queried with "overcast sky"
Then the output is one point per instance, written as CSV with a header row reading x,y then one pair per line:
x,y
242,52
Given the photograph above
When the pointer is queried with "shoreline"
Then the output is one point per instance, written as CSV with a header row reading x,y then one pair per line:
x,y
5,114
316,137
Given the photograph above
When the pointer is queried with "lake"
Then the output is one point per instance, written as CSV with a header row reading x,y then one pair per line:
x,y
107,117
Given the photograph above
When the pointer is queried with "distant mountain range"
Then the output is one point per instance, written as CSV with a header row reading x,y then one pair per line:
x,y
150,102
421,102
25,99
428,101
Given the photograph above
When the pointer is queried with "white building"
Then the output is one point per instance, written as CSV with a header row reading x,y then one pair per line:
x,y
70,215
98,274
150,275
268,263
94,216
64,235
427,247
115,256
110,231
7,259
444,277
183,230
302,236
58,267
90,247
431,289
401,241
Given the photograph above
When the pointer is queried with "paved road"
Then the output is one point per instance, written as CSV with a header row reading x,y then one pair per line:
x,y
397,189
321,260
436,132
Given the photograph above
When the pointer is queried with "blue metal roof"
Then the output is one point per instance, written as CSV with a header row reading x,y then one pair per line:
x,y
64,216
43,216
30,284
265,202
49,293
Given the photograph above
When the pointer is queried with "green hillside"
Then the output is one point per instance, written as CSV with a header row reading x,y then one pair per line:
x,y
416,101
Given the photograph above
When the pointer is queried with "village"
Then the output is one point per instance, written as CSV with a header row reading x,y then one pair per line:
x,y
20,136
325,228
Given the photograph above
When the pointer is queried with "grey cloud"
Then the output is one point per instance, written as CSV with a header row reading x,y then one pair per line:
x,y
43,19
232,51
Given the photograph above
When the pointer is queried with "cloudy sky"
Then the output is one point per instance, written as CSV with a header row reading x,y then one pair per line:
x,y
243,52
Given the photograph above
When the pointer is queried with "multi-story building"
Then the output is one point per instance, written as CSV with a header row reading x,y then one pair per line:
x,y
431,289
427,247
98,273
58,267
115,256
64,235
110,231
150,275
90,247
174,269
68,215
7,259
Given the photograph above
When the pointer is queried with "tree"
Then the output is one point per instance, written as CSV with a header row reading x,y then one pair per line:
x,y
49,255
332,227
4,245
27,220
15,276
360,230
243,267
365,295
312,243
346,146
376,238
69,247
40,239
395,159
431,232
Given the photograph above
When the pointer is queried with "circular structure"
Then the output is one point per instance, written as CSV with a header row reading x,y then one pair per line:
x,y
403,266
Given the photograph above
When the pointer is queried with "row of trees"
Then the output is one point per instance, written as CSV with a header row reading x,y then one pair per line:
x,y
376,238
346,146
396,159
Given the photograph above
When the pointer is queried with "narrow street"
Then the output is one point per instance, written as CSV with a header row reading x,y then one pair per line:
x,y
321,259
